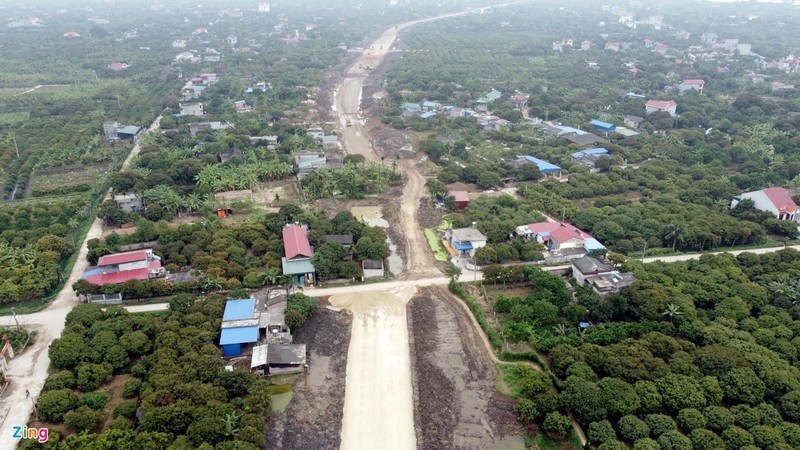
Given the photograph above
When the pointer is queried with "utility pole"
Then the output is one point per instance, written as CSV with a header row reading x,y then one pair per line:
x,y
644,250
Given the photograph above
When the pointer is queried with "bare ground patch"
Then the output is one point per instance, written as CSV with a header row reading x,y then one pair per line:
x,y
456,404
313,418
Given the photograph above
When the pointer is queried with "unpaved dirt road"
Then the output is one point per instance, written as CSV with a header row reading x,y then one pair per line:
x,y
378,402
456,403
418,256
29,370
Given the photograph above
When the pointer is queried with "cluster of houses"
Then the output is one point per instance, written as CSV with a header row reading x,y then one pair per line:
x,y
564,243
259,327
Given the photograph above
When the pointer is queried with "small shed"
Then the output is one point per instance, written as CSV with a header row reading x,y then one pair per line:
x,y
603,126
239,326
345,240
286,358
373,268
233,340
461,198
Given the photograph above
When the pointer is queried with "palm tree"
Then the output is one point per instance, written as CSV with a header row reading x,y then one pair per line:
x,y
676,232
673,311
270,274
560,329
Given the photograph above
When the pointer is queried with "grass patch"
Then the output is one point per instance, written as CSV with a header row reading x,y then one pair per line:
x,y
433,240
472,303
14,117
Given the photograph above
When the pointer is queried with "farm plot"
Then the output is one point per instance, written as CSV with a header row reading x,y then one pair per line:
x,y
63,180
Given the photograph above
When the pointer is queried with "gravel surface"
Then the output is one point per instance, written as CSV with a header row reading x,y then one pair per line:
x,y
313,419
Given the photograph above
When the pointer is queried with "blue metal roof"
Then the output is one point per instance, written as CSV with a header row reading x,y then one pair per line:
x,y
239,309
91,272
430,104
593,244
544,166
605,126
241,335
427,115
467,246
590,152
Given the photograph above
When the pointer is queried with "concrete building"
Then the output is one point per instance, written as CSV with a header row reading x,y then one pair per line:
x,y
775,201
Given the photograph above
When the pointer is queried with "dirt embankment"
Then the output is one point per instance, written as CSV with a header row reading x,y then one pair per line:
x,y
456,405
313,418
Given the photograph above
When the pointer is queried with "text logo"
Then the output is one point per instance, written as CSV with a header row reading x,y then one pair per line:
x,y
23,432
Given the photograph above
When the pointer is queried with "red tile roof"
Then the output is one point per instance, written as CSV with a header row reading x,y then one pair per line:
x,y
543,227
566,232
701,82
119,277
460,196
781,199
120,258
295,242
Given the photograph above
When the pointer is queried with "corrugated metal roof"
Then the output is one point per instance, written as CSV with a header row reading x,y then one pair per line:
x,y
460,196
544,166
259,356
242,335
119,277
590,152
239,309
295,242
120,258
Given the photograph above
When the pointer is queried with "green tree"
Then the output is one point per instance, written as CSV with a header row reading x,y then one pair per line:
x,y
600,432
453,272
691,419
557,423
631,428
83,419
94,400
660,424
790,406
674,440
52,405
736,438
742,385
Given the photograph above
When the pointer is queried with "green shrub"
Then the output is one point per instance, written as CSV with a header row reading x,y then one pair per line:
x,y
94,400
126,408
632,428
557,423
736,438
718,418
600,432
660,424
674,440
52,405
83,419
703,439
646,444
63,379
131,387
691,419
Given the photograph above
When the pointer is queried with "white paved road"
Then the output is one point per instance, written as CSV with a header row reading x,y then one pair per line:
x,y
28,371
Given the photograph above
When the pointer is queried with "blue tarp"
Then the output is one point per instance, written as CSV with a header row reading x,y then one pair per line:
x,y
544,166
590,152
239,309
241,335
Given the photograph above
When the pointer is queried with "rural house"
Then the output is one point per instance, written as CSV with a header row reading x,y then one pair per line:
x,y
113,131
559,236
129,203
373,268
776,201
466,240
239,327
545,167
298,254
601,276
655,105
121,267
688,85
633,121
461,198
589,157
